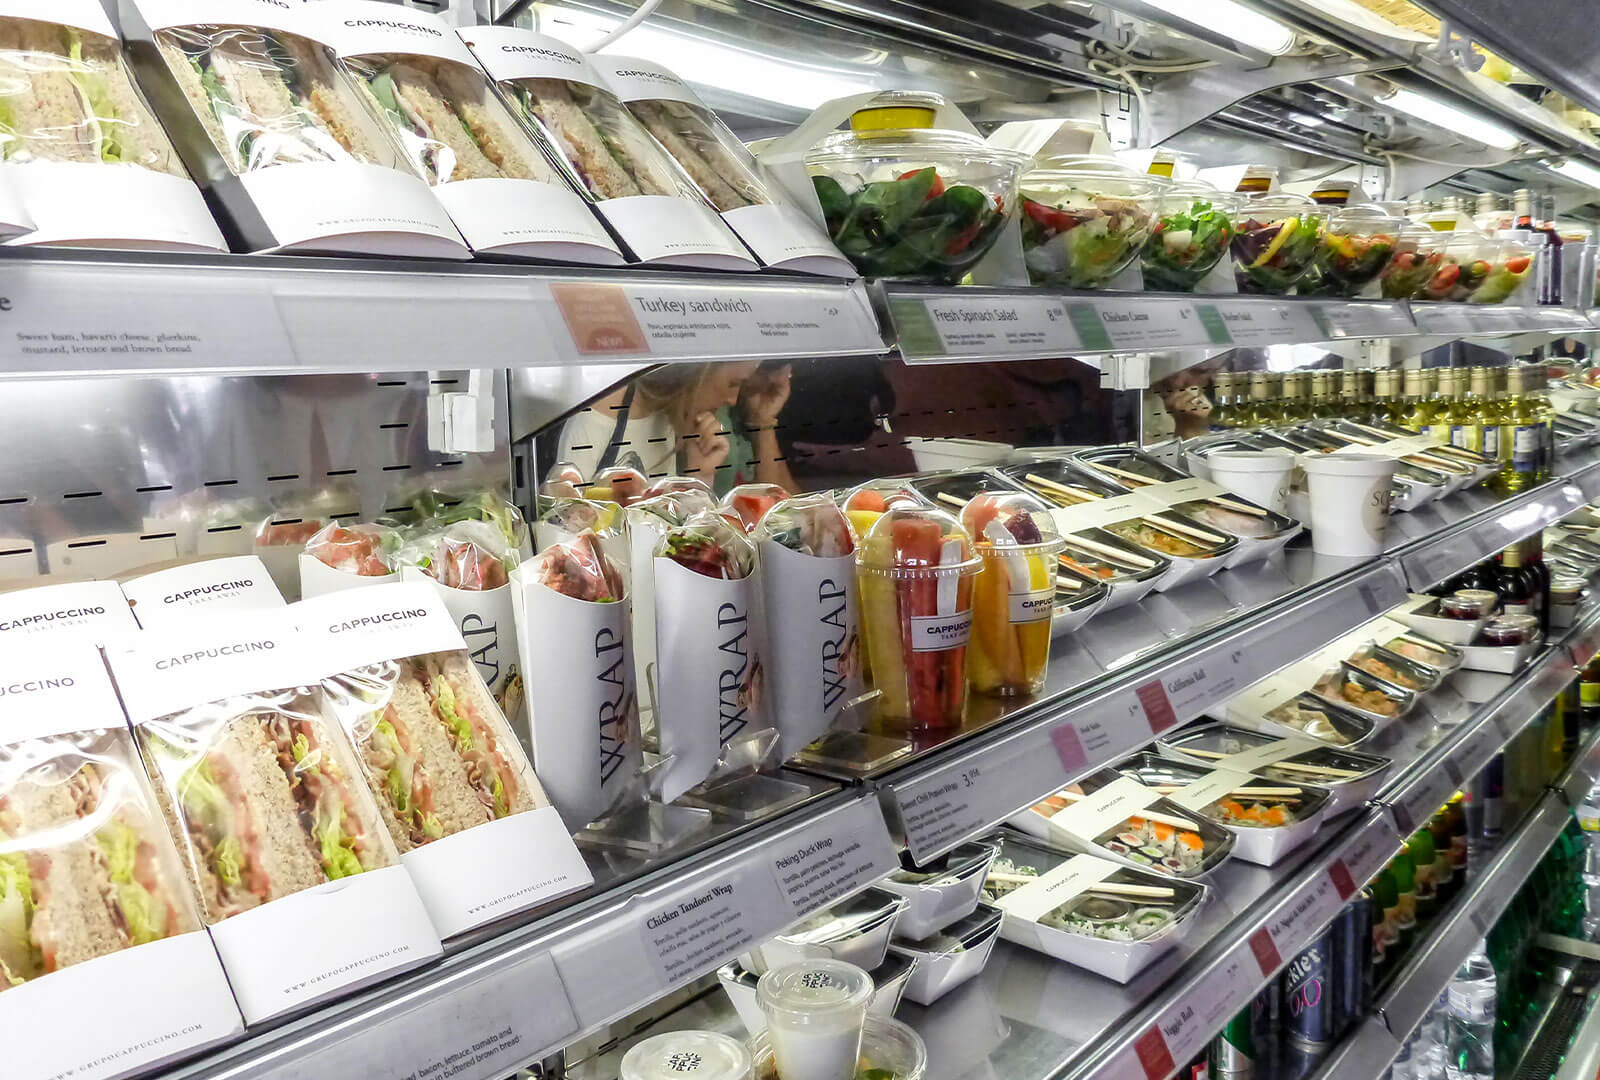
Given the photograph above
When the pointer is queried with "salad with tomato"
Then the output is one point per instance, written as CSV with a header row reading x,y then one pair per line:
x,y
1408,273
1271,256
914,227
1185,245
1348,262
710,546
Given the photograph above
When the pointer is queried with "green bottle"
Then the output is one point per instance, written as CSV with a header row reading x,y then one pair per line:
x,y
1388,925
1423,857
1405,883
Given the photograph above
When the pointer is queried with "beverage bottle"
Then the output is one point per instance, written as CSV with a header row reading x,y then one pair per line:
x,y
1420,847
1445,882
1589,694
1456,814
1588,816
1405,882
1386,926
1469,1054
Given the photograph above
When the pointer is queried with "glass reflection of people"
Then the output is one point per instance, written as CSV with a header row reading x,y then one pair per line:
x,y
717,421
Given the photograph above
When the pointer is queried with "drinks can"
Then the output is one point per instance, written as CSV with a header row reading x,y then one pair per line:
x,y
1308,994
1352,960
1233,1051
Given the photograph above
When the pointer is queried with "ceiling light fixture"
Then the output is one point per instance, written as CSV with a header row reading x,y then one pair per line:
x,y
1580,172
1232,19
1450,118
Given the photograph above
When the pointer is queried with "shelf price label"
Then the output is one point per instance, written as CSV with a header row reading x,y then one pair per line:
x,y
1340,320
950,328
1136,325
1258,323
1431,790
839,856
1205,1009
1435,318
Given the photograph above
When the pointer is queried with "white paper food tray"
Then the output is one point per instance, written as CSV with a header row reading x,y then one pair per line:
x,y
937,973
933,905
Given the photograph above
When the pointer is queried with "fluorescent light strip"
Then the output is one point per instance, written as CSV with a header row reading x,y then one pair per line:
x,y
1580,172
1231,19
1451,118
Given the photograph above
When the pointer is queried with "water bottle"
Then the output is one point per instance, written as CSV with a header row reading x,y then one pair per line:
x,y
1588,815
1470,1053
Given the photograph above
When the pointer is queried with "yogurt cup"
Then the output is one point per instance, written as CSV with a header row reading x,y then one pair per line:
x,y
687,1055
1349,502
815,1012
1262,476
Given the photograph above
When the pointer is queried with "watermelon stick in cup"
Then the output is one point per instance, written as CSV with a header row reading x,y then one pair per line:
x,y
916,568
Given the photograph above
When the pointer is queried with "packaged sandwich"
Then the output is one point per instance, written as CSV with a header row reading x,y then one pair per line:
x,y
88,871
501,190
86,161
584,672
349,556
93,611
810,616
174,595
709,666
638,189
747,502
781,235
452,785
280,539
253,92
263,794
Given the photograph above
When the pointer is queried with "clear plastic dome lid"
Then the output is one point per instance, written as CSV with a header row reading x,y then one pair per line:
x,y
1091,174
810,524
687,1055
915,541
1179,192
1010,523
816,991
580,515
709,545
933,146
625,483
1277,205
1363,220
876,496
672,485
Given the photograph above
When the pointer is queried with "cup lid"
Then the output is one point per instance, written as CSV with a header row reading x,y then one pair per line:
x,y
814,992
917,541
1276,460
687,1055
1010,523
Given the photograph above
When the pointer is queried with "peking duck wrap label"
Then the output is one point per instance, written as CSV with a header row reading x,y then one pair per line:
x,y
582,697
94,907
500,188
709,669
453,788
811,617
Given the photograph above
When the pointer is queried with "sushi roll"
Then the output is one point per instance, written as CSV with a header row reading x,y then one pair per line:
x,y
1147,921
1190,848
1275,816
1117,847
1129,840
1173,864
1141,858
1154,852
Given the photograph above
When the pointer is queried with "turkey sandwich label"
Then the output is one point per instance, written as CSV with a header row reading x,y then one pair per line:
x,y
207,659
93,610
356,627
54,691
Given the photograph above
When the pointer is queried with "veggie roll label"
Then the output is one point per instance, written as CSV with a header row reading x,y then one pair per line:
x,y
1032,607
936,633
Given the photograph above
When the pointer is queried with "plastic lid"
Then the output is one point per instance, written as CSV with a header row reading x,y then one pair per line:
x,y
917,541
1010,523
810,524
749,502
1277,204
814,992
665,507
1090,172
876,496
1363,219
929,145
895,110
1199,190
687,1055
666,485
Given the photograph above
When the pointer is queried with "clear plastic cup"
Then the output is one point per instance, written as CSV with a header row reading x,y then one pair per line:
x,y
888,1047
1015,594
687,1055
915,568
815,1013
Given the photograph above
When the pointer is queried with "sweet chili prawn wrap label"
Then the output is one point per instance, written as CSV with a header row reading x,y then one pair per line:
x,y
575,627
710,677
94,906
451,782
916,569
1015,601
280,838
811,616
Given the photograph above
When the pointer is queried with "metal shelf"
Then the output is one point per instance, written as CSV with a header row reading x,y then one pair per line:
x,y
107,313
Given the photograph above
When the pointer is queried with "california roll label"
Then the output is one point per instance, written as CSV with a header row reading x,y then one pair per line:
x,y
1032,607
936,633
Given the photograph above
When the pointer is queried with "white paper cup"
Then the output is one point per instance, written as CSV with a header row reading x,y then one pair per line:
x,y
1349,502
1262,476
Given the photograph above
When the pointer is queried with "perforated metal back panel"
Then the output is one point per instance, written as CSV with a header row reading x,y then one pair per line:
x,y
103,475
845,420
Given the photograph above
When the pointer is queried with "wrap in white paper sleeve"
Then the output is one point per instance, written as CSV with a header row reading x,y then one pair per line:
x,y
582,699
644,533
237,584
709,677
318,578
488,625
812,640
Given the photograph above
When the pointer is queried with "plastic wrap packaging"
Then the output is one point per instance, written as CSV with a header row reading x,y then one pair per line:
x,y
349,556
89,871
810,615
916,569
78,132
556,91
435,509
264,795
457,133
714,159
1015,593
280,540
441,761
708,673
562,481
467,555
585,671
289,145
748,502
621,484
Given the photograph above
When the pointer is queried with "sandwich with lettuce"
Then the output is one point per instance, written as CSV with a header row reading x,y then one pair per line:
x,y
66,96
86,868
264,798
437,752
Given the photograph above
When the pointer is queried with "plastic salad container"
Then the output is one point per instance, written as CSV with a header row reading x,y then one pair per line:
x,y
1015,593
1194,225
907,201
1084,219
1478,269
916,568
1275,241
1419,254
1357,244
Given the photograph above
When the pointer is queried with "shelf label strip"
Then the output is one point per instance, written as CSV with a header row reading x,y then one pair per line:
x,y
947,329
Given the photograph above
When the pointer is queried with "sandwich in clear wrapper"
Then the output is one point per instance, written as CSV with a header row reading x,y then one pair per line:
x,y
748,502
469,555
366,550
